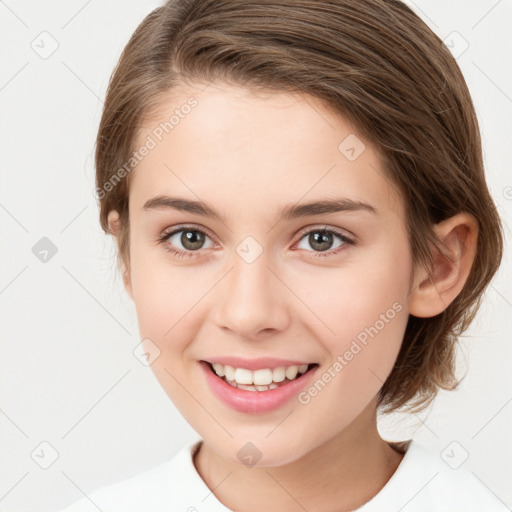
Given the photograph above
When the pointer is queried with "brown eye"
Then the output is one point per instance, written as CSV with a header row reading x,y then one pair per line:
x,y
325,241
186,240
320,241
192,240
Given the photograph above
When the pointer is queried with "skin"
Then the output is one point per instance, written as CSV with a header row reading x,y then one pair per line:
x,y
247,155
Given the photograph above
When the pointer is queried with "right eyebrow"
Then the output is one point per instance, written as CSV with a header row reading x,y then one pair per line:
x,y
184,205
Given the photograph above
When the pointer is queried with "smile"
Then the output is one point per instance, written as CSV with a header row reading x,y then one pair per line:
x,y
259,390
258,380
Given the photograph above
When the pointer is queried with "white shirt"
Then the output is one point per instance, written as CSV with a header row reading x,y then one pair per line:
x,y
423,482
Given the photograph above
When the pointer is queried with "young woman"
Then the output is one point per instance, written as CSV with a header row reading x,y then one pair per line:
x,y
298,196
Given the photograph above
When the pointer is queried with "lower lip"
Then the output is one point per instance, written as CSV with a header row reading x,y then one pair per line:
x,y
255,402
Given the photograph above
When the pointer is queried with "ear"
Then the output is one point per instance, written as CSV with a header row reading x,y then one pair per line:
x,y
434,290
114,225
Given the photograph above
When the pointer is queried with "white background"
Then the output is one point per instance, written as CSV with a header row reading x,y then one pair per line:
x,y
68,374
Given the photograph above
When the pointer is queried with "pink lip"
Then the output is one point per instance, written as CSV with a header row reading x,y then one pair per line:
x,y
254,402
255,364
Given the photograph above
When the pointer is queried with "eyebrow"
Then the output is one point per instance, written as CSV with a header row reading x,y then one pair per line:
x,y
290,212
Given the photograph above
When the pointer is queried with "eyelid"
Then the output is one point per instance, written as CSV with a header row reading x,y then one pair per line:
x,y
344,234
304,231
183,227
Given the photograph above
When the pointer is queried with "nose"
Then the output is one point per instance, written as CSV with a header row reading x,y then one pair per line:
x,y
252,301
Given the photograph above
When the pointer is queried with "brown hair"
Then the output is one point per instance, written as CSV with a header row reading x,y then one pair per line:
x,y
376,63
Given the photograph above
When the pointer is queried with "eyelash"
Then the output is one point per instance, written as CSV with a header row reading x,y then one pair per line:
x,y
318,254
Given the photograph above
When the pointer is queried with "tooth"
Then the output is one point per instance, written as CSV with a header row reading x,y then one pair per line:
x,y
218,369
291,372
247,388
229,372
273,386
262,377
243,376
261,388
279,374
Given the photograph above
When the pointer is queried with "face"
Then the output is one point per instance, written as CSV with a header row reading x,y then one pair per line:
x,y
232,263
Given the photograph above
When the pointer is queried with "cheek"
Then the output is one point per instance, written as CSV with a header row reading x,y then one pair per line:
x,y
165,297
369,324
364,313
167,300
354,296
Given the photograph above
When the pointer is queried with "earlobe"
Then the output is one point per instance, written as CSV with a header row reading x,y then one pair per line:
x,y
434,290
113,222
114,225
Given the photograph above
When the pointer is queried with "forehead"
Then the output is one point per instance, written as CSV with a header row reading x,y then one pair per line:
x,y
243,148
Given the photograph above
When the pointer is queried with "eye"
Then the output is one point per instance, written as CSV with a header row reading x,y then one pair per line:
x,y
324,241
184,241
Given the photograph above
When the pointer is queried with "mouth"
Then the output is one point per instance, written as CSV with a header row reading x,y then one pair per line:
x,y
259,380
269,385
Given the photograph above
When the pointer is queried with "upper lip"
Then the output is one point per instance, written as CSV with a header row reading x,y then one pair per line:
x,y
255,364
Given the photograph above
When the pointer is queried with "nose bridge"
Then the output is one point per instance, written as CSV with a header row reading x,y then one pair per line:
x,y
250,301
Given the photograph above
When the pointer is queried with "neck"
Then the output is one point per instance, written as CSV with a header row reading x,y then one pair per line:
x,y
341,474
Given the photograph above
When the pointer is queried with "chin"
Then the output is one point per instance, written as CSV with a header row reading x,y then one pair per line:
x,y
264,453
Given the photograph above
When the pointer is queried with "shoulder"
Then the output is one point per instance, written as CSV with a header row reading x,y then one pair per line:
x,y
174,485
425,482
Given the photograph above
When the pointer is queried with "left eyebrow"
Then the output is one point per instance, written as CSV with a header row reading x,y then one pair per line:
x,y
290,212
325,207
